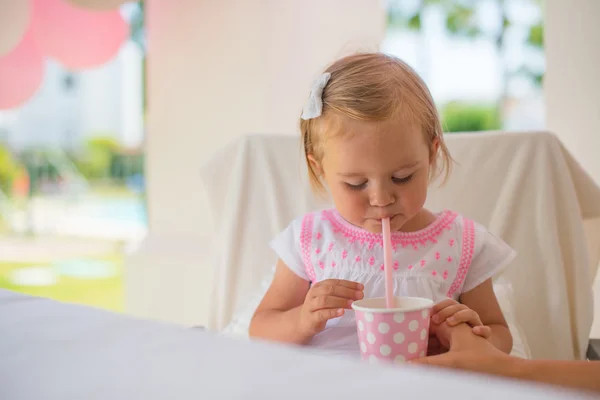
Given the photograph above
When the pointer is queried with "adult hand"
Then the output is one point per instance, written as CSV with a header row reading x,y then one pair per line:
x,y
468,351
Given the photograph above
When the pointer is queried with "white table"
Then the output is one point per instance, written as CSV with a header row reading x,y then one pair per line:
x,y
55,351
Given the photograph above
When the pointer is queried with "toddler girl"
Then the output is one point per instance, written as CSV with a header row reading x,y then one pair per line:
x,y
373,140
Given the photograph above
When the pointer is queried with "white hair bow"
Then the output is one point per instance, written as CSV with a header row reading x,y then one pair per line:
x,y
314,106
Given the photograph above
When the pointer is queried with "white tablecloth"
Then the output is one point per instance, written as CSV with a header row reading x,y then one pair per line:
x,y
54,351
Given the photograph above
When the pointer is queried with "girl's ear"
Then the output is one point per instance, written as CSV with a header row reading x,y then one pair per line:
x,y
435,146
315,165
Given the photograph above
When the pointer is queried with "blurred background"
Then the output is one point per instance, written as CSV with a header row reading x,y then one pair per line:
x,y
72,150
102,139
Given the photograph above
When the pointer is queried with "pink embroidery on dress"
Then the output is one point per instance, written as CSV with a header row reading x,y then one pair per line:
x,y
451,242
434,273
415,247
396,266
330,247
468,248
449,259
344,254
317,250
371,260
333,264
357,259
371,245
318,235
410,266
422,263
321,265
437,255
382,267
445,275
443,221
306,243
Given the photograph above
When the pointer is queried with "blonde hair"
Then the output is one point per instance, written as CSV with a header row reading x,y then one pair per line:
x,y
374,87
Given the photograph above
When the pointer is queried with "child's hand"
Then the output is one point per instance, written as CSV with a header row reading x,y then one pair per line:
x,y
455,313
326,300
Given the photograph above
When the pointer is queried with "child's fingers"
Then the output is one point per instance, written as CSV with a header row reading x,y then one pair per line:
x,y
447,312
328,302
441,305
327,314
466,315
336,291
483,331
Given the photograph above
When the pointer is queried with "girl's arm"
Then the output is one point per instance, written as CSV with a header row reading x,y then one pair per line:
x,y
482,300
293,311
278,315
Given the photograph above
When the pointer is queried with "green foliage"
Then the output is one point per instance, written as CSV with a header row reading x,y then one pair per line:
x,y
460,20
104,158
9,168
96,159
127,165
414,22
535,37
465,117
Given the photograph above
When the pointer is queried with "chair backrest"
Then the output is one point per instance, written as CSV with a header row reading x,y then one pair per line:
x,y
523,186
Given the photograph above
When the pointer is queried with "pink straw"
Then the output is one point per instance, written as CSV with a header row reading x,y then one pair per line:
x,y
387,263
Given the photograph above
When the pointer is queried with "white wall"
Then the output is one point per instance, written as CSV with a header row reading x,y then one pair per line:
x,y
220,69
572,81
217,70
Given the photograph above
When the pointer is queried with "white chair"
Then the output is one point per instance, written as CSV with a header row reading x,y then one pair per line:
x,y
523,186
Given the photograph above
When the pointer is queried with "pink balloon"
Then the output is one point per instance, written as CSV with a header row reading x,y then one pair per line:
x,y
21,73
77,38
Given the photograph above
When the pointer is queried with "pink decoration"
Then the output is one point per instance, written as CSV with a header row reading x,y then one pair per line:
x,y
77,38
306,243
21,73
468,248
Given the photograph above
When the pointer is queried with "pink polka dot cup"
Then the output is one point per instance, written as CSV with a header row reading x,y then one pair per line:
x,y
393,334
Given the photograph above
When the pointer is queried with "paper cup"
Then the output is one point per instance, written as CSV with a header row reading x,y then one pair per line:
x,y
393,334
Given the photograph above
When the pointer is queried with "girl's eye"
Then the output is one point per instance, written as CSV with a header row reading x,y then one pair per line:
x,y
358,186
406,179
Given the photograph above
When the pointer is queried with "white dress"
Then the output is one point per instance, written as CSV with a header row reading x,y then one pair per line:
x,y
451,256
